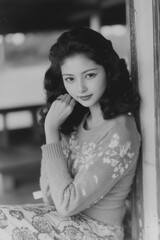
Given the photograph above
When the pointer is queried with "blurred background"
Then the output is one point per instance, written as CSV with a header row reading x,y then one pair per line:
x,y
28,28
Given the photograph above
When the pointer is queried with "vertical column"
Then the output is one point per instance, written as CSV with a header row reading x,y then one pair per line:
x,y
156,41
95,21
144,45
137,210
95,17
5,133
2,51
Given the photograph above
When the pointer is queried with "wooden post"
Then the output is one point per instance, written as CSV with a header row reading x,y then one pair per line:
x,y
143,68
95,17
4,135
156,41
2,51
137,217
95,21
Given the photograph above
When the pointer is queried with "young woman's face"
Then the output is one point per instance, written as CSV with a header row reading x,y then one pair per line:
x,y
84,79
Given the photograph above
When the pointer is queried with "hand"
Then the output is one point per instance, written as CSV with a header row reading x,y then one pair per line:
x,y
58,113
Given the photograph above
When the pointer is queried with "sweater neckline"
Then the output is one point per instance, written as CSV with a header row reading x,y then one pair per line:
x,y
93,129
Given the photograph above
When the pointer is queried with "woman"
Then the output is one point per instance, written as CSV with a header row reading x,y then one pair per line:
x,y
92,144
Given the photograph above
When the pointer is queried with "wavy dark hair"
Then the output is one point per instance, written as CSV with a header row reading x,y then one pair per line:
x,y
119,97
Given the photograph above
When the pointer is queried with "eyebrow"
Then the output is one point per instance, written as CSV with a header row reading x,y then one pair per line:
x,y
68,74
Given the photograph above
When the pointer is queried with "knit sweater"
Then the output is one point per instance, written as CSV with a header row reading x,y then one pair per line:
x,y
92,170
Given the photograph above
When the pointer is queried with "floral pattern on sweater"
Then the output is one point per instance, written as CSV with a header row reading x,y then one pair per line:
x,y
117,155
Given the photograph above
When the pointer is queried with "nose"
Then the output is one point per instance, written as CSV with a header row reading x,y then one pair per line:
x,y
81,86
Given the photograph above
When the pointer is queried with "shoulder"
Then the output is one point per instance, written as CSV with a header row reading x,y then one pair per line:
x,y
122,129
125,122
125,125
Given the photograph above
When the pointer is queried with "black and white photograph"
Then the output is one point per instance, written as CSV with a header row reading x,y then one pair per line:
x,y
79,120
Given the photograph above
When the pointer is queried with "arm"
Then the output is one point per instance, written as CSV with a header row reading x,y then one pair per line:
x,y
57,114
115,155
44,185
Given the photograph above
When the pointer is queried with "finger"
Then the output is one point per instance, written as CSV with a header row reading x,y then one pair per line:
x,y
67,99
72,102
59,97
64,97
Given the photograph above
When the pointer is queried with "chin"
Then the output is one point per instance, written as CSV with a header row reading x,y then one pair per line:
x,y
86,104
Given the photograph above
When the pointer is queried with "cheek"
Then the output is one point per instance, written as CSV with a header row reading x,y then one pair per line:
x,y
68,89
66,86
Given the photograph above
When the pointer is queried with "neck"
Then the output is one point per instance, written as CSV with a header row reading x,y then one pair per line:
x,y
96,117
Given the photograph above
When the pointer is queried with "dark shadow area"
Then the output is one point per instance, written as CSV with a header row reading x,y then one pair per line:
x,y
46,15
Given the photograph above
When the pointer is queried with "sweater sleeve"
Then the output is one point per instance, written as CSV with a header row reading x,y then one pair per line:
x,y
43,181
44,184
106,164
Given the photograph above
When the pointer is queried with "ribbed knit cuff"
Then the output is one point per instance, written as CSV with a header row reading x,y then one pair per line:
x,y
52,150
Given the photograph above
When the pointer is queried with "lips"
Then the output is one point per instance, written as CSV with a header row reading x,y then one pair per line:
x,y
85,97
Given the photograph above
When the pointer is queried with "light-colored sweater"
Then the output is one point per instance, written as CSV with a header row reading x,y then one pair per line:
x,y
92,170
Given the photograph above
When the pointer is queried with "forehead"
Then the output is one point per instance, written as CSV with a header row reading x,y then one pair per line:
x,y
77,63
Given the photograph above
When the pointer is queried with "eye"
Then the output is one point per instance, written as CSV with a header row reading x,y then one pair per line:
x,y
69,79
90,75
